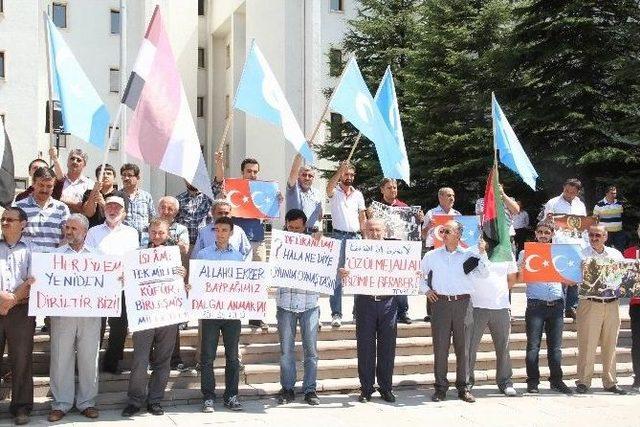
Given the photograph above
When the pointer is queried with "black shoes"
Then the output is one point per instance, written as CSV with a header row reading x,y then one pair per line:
x,y
130,411
364,398
466,396
580,389
387,395
155,409
616,390
439,396
311,398
427,318
570,313
533,389
233,403
286,396
561,387
404,319
259,324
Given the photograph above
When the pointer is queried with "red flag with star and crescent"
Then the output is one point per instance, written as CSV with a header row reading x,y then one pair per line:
x,y
552,262
252,198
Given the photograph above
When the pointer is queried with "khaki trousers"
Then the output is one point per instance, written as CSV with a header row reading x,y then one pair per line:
x,y
598,322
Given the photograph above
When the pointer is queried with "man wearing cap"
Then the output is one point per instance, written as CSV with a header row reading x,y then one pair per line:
x,y
93,200
114,238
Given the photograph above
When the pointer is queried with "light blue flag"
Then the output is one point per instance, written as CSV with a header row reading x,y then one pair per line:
x,y
260,95
388,104
511,153
83,112
353,100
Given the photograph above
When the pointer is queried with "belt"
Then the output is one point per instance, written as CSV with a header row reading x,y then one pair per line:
x,y
460,297
378,297
602,300
544,302
350,233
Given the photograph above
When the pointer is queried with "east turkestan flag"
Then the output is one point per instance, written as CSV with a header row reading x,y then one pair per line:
x,y
7,182
161,131
495,228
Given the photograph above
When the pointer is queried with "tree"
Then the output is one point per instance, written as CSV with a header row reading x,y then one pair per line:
x,y
576,64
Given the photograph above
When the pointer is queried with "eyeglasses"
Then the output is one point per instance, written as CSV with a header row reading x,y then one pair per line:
x,y
3,219
544,232
596,235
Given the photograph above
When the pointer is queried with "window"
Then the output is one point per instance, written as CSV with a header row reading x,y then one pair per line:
x,y
201,7
336,126
335,62
59,15
227,56
201,58
115,22
2,71
116,139
336,6
227,106
114,80
1,6
200,107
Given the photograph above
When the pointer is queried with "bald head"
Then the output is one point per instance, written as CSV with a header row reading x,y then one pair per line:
x,y
374,229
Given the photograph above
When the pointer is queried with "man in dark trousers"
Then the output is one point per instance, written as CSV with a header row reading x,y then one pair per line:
x,y
376,332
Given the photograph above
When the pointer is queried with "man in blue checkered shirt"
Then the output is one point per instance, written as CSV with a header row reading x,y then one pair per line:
x,y
194,211
141,207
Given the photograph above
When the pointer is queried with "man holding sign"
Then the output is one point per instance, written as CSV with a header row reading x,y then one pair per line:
x,y
161,340
212,328
15,324
598,322
296,305
70,335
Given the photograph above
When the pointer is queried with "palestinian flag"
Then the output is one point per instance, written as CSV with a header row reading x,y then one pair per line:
x,y
495,228
7,183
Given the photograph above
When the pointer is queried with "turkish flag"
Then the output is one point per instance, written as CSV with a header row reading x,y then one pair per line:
x,y
252,199
471,232
552,262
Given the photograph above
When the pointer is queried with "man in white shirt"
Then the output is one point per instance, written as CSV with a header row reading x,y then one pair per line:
x,y
491,307
70,335
598,322
348,217
448,286
74,182
568,203
114,238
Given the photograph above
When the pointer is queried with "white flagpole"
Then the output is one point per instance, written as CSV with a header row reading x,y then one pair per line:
x,y
124,77
49,82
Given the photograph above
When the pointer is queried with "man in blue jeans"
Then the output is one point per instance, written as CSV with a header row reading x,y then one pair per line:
x,y
297,306
348,217
545,309
212,328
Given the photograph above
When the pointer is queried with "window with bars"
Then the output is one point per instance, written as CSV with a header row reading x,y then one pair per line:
x,y
114,80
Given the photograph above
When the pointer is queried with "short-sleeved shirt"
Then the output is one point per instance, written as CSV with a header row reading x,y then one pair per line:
x,y
448,277
141,210
492,292
544,291
74,190
310,202
610,214
345,210
193,212
560,205
98,217
112,241
15,264
44,225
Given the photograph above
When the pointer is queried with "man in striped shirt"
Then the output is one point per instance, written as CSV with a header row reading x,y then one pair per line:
x,y
610,210
46,216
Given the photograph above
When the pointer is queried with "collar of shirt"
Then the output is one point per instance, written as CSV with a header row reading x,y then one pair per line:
x,y
79,180
227,249
352,190
68,249
23,239
32,201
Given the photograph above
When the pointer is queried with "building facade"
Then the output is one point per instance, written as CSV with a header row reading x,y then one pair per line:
x,y
210,39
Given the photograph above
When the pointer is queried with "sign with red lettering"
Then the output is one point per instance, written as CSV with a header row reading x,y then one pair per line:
x,y
382,267
227,289
154,291
75,285
300,261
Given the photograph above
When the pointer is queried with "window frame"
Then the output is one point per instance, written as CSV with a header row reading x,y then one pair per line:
x,y
63,5
200,106
3,65
202,58
119,29
111,70
340,8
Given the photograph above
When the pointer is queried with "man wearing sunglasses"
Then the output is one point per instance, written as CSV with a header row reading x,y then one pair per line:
x,y
598,322
448,289
544,312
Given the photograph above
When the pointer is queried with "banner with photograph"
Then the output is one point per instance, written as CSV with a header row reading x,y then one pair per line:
x,y
607,278
382,267
228,289
401,222
75,285
300,261
154,291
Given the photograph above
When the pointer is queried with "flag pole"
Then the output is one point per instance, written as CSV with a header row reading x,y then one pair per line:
x,y
114,127
355,144
50,85
226,130
326,107
493,127
124,78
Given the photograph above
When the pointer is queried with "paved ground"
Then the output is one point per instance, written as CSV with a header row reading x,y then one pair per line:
x,y
413,408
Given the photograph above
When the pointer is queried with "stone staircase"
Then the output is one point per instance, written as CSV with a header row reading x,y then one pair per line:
x,y
337,367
